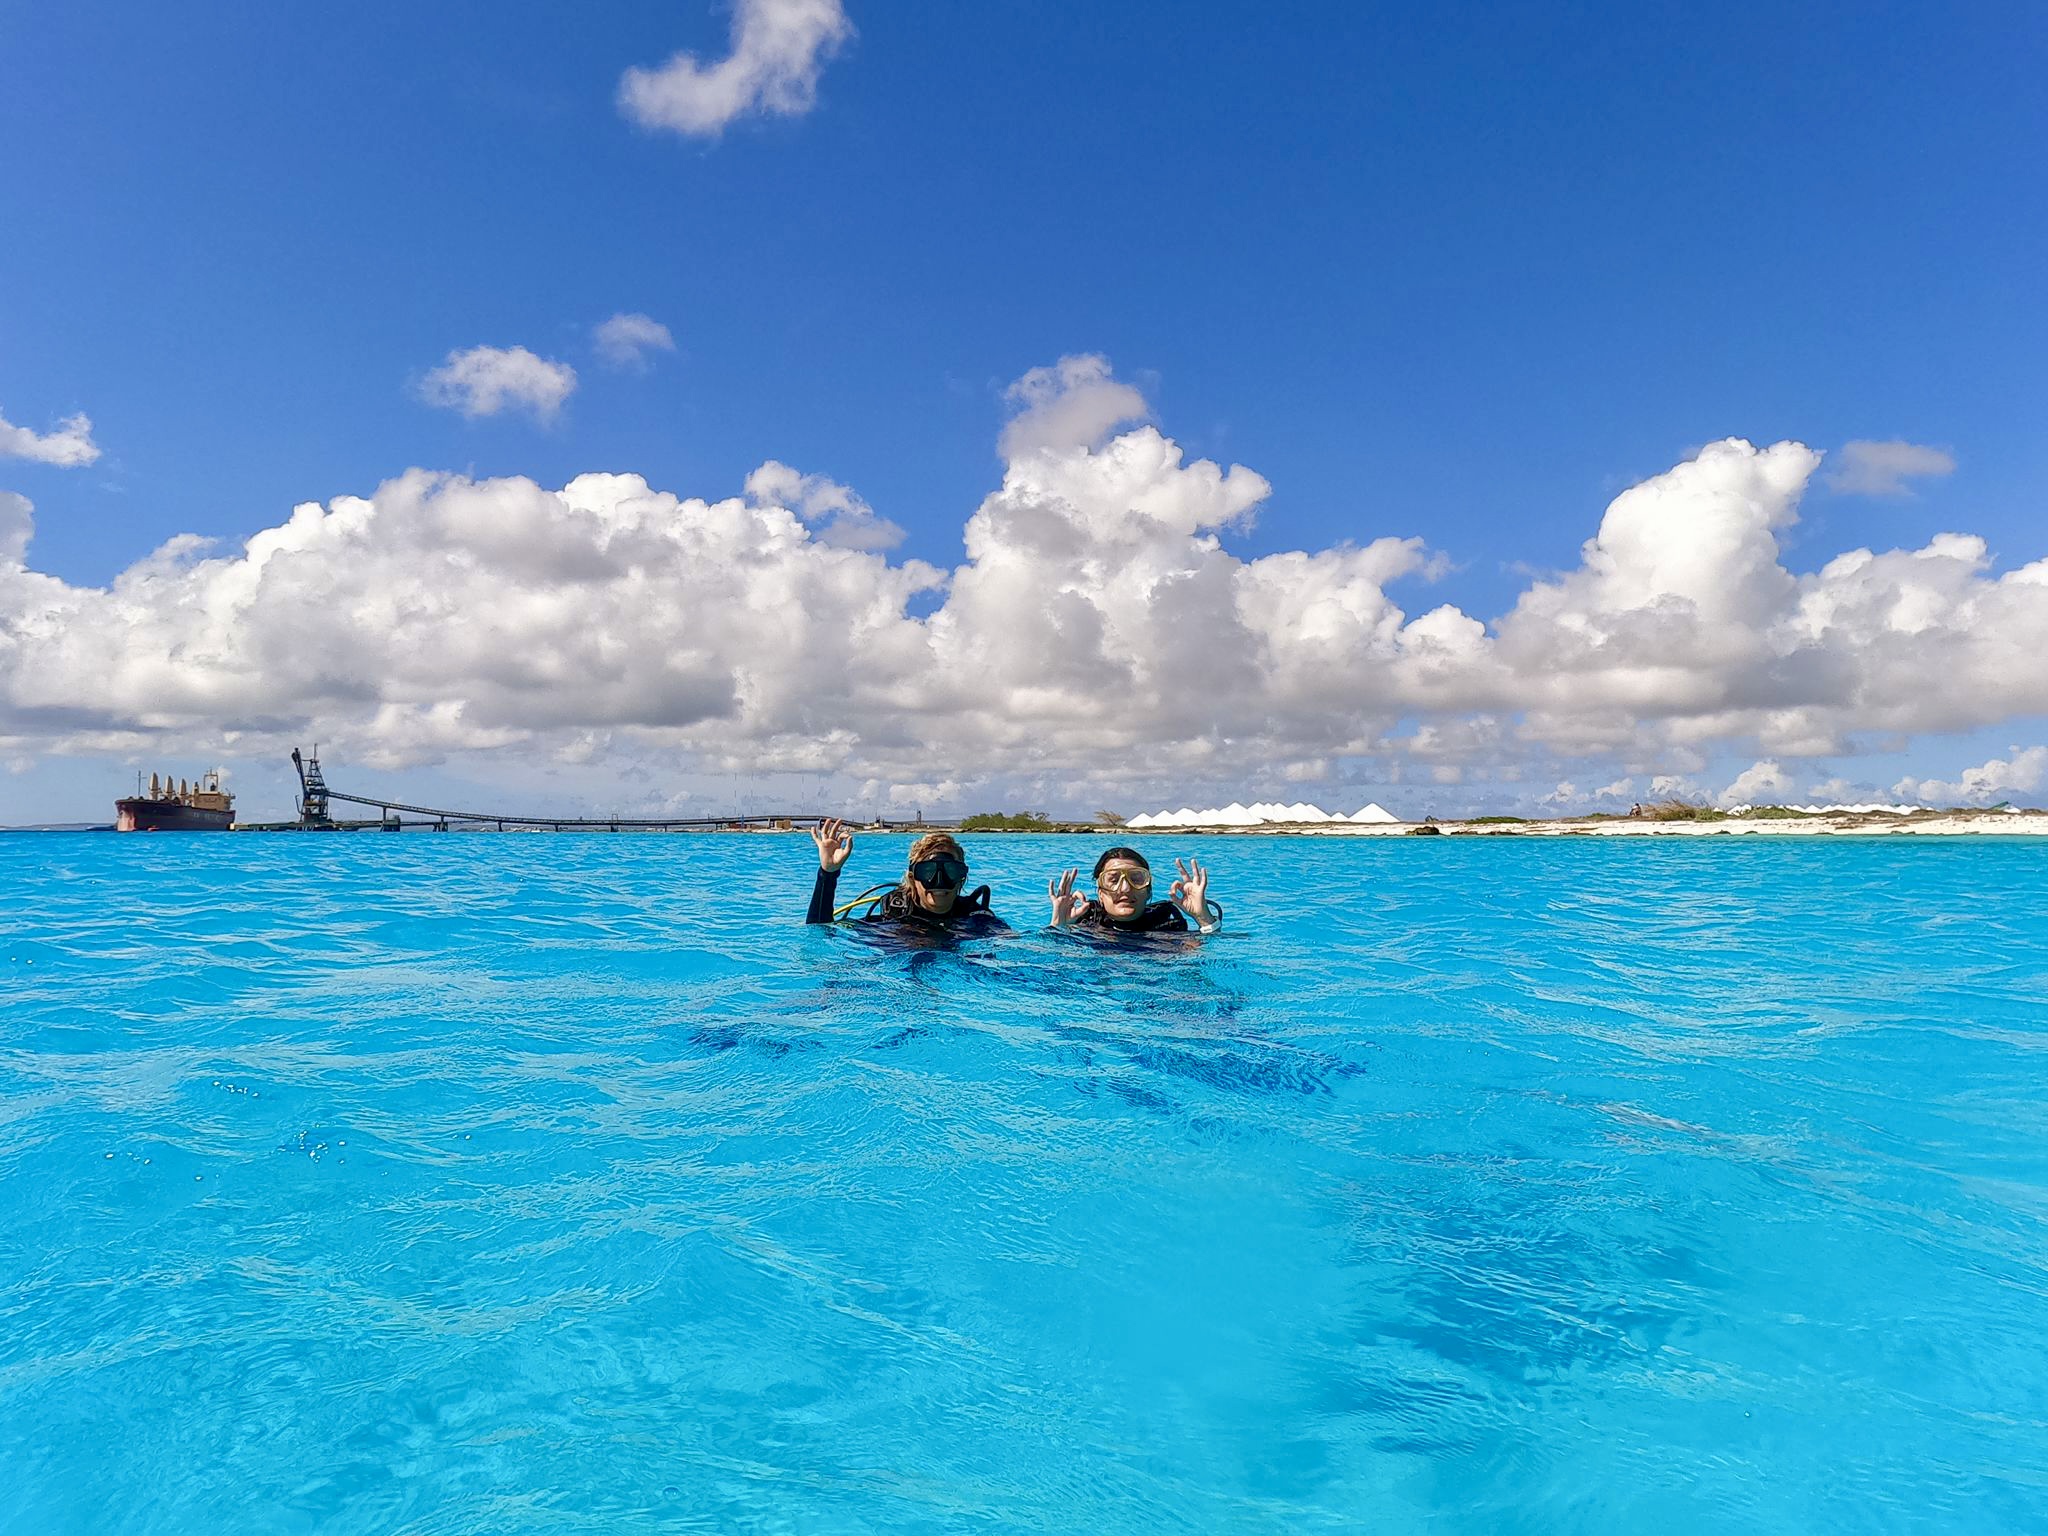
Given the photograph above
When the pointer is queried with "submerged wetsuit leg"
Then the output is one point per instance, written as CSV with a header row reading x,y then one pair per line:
x,y
822,895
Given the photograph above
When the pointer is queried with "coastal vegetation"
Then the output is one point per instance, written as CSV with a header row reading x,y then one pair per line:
x,y
1008,821
1676,809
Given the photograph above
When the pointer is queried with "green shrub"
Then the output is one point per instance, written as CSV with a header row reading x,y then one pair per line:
x,y
1680,810
1007,821
1493,821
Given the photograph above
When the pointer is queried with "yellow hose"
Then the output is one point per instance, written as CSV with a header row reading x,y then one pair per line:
x,y
869,898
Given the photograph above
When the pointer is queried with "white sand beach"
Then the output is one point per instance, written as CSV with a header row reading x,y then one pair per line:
x,y
1918,824
1266,819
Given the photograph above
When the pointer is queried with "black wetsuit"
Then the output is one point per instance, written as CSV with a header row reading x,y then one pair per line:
x,y
969,915
1153,917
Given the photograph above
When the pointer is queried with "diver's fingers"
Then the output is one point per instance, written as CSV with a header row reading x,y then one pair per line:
x,y
833,840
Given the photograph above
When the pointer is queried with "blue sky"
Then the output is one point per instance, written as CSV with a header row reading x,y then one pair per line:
x,y
1463,276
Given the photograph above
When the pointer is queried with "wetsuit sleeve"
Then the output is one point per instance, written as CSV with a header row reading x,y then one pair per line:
x,y
822,896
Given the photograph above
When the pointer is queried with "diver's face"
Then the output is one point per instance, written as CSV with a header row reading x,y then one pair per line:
x,y
935,899
936,882
1122,888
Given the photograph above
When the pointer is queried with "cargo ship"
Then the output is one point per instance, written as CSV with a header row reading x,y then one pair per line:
x,y
176,806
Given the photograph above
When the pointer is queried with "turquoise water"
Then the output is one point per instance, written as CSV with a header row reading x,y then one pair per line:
x,y
495,1183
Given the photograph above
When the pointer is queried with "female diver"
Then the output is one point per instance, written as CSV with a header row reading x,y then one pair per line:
x,y
1123,887
928,899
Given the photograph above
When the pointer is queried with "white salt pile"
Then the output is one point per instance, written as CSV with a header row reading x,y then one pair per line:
x,y
1265,813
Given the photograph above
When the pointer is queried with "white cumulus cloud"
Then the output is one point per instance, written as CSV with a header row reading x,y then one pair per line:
x,y
625,340
1864,468
17,523
1073,404
1762,783
68,445
1099,640
2019,774
483,381
842,519
779,48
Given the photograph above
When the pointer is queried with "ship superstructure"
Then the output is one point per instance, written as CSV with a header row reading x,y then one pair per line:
x,y
176,805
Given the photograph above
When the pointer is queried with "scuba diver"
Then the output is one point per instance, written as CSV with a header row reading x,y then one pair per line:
x,y
929,898
1123,886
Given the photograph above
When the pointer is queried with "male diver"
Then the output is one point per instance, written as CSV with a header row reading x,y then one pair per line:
x,y
1122,904
928,899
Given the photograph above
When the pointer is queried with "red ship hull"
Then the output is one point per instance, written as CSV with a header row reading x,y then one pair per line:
x,y
137,815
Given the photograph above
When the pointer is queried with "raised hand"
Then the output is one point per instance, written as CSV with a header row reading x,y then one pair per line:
x,y
1191,890
834,843
1067,908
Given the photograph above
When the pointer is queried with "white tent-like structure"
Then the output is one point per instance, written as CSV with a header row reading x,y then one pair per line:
x,y
1264,814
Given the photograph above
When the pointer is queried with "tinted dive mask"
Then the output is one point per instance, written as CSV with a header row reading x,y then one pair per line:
x,y
942,873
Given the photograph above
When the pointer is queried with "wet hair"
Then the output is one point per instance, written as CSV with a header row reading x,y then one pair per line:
x,y
1120,852
932,844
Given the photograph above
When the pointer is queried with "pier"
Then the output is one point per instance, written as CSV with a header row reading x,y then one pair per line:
x,y
317,799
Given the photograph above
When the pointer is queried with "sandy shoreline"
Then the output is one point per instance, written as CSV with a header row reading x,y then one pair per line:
x,y
1920,824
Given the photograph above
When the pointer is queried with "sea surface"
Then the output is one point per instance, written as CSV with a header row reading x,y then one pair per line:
x,y
495,1183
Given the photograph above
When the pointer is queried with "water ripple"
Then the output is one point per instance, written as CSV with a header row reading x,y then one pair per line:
x,y
456,1184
